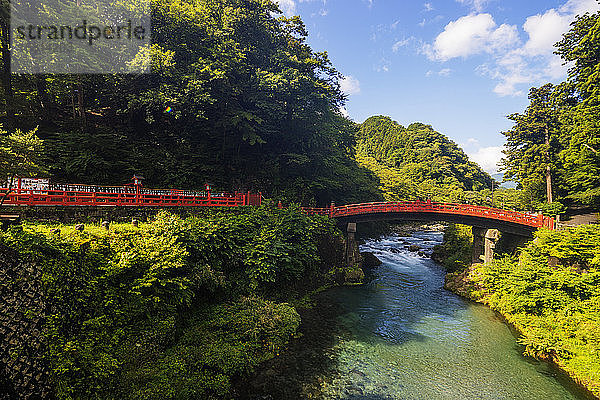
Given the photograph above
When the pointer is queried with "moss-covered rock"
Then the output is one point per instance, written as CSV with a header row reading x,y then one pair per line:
x,y
354,276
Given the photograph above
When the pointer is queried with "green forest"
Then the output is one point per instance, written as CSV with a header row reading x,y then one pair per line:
x,y
417,162
188,307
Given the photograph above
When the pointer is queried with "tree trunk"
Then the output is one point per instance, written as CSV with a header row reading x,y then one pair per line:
x,y
548,184
6,76
80,101
42,94
548,168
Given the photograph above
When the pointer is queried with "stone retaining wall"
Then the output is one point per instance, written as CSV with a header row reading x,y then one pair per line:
x,y
22,372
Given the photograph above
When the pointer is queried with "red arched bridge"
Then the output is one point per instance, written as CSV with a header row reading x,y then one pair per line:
x,y
40,192
478,216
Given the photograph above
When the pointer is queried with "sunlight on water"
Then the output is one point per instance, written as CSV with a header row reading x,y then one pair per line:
x,y
411,339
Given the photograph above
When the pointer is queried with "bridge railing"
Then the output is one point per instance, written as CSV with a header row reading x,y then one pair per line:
x,y
127,197
136,195
436,208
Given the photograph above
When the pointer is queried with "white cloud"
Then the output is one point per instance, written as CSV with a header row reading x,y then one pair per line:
x,y
535,62
513,63
401,43
555,68
443,72
288,7
544,30
487,158
428,7
344,112
579,7
382,65
350,85
469,35
476,5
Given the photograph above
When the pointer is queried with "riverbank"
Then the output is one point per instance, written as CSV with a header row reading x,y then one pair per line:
x,y
406,337
172,308
401,335
550,293
305,367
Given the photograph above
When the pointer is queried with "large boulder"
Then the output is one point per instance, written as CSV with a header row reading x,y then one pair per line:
x,y
370,260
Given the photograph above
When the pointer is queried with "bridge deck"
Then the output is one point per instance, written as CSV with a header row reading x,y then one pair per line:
x,y
432,209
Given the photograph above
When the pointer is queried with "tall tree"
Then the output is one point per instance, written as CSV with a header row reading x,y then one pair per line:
x,y
581,47
532,144
5,75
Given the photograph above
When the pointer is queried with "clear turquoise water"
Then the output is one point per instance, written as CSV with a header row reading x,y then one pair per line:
x,y
412,339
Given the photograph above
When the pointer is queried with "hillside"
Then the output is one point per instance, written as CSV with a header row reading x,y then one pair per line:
x,y
416,161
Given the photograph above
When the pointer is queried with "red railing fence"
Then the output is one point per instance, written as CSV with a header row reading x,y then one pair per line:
x,y
127,195
45,194
520,218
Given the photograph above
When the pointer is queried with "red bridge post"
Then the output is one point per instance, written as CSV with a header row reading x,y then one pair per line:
x,y
208,187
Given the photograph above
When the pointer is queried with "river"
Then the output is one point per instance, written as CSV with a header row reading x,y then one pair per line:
x,y
412,339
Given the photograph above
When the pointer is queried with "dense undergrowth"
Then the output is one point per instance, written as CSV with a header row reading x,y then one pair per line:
x,y
177,308
550,292
455,251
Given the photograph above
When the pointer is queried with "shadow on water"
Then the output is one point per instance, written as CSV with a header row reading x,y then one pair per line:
x,y
299,372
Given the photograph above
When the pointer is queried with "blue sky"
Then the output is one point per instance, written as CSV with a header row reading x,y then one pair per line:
x,y
458,65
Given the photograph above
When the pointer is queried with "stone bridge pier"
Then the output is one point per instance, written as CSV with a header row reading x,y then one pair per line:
x,y
485,241
484,244
352,253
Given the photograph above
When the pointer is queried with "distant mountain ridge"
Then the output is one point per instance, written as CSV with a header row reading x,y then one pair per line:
x,y
416,161
499,177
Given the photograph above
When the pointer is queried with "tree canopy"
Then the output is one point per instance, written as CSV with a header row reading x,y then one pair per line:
x,y
235,96
571,113
20,155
